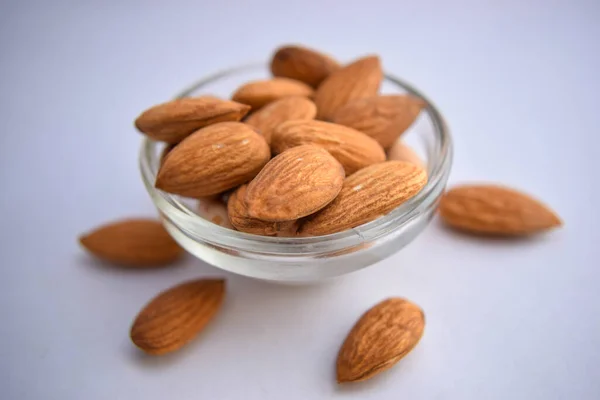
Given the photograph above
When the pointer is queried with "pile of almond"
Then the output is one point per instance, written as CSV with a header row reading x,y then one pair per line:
x,y
314,150
303,153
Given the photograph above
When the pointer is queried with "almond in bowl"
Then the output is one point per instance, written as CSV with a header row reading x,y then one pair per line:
x,y
309,161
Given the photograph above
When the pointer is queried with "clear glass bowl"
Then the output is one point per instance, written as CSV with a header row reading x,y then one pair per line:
x,y
307,258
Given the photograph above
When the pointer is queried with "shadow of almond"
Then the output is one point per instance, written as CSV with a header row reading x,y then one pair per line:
x,y
87,261
492,239
388,377
190,350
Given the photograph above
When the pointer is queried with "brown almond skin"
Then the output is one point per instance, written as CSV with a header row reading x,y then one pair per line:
x,y
213,159
401,152
257,94
287,108
239,218
353,149
294,184
136,243
384,118
366,195
495,210
357,80
173,121
381,337
177,315
165,151
303,64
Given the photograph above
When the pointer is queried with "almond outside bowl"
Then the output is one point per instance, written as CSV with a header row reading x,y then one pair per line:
x,y
307,259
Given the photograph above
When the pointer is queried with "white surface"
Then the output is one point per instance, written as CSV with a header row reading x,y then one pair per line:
x,y
518,84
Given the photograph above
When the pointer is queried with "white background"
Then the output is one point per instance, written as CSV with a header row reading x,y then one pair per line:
x,y
518,83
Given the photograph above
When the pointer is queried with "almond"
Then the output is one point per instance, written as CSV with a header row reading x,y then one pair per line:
x,y
213,160
171,122
495,210
164,153
353,149
257,94
273,114
177,315
357,80
303,64
366,195
381,337
239,218
133,243
401,152
384,118
296,183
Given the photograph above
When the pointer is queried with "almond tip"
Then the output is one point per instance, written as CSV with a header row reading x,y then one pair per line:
x,y
160,181
221,282
557,222
342,379
83,239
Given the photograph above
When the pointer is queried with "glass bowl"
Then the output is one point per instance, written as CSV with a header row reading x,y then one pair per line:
x,y
304,259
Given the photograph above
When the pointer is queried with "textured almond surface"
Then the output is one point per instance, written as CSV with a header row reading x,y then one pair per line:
x,y
171,122
357,80
133,242
380,338
239,218
303,64
294,184
384,118
495,210
401,152
177,315
353,149
366,195
213,160
257,94
273,114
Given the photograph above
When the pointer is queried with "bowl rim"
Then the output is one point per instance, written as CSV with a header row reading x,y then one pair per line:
x,y
201,229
